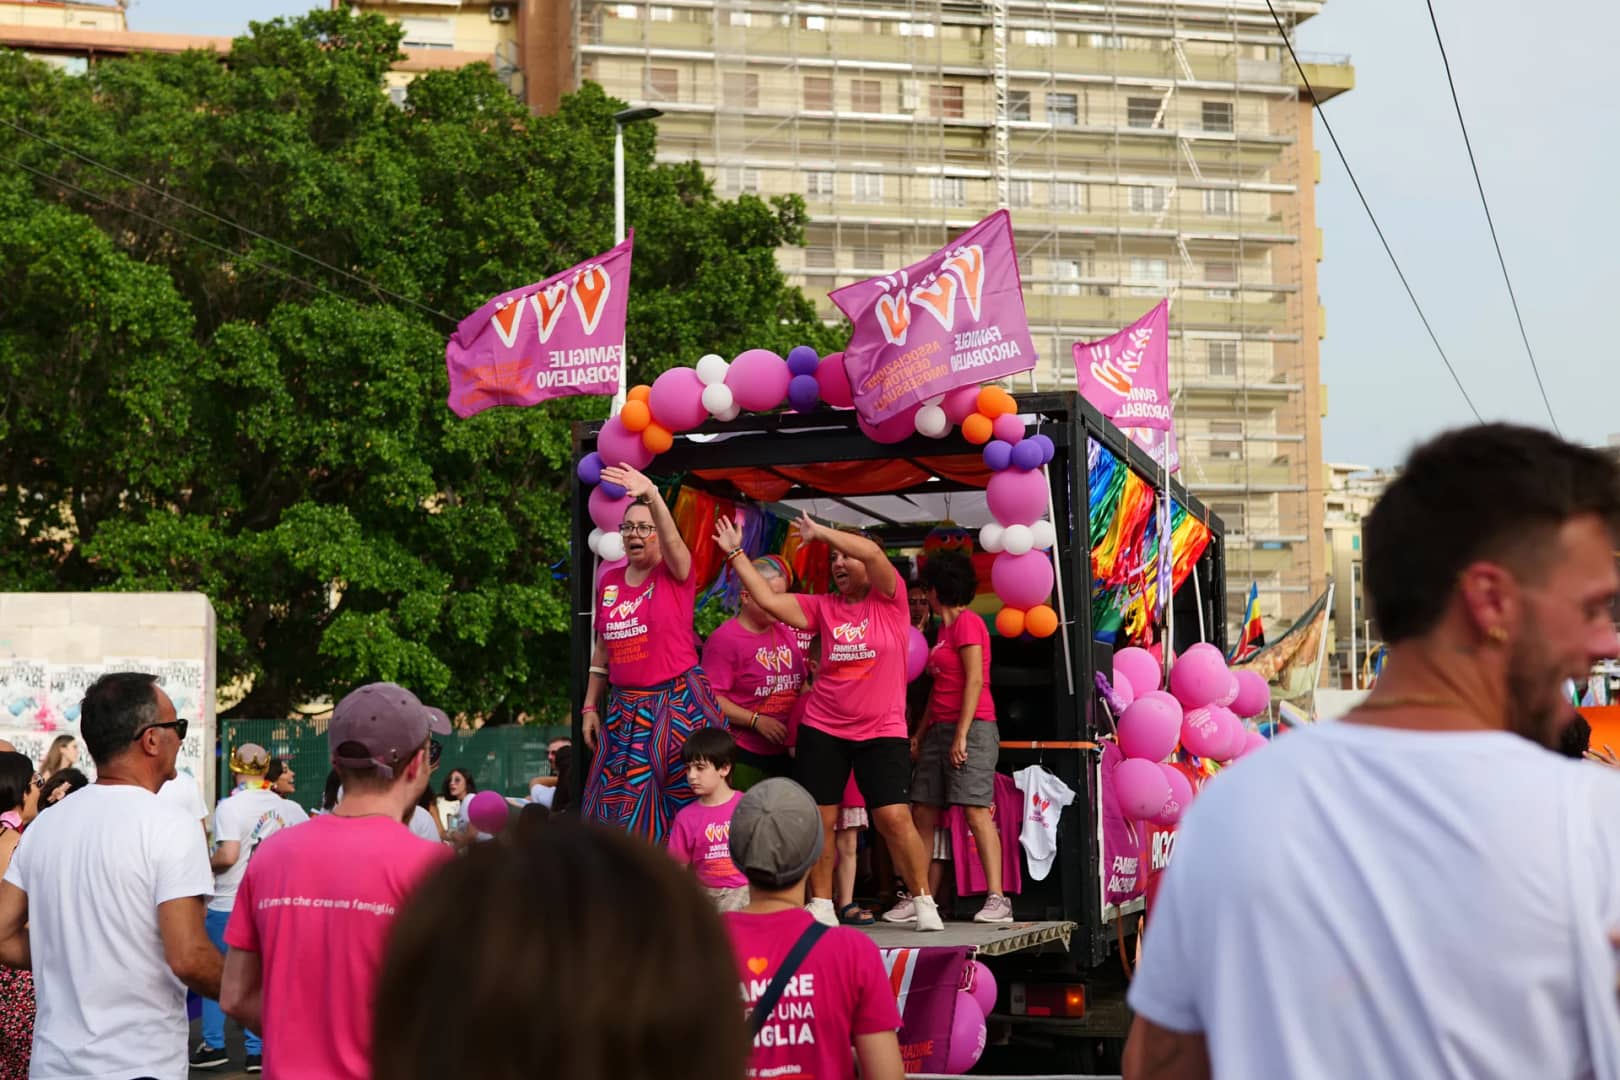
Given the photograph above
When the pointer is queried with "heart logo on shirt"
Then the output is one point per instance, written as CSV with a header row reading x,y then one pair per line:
x,y
758,964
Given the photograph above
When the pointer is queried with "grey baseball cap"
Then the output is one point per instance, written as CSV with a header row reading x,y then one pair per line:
x,y
379,726
776,833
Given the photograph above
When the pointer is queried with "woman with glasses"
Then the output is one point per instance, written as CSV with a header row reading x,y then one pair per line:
x,y
646,650
19,797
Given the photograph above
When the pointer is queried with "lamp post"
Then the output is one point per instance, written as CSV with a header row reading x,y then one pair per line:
x,y
620,119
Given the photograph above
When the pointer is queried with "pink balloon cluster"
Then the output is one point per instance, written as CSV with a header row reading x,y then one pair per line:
x,y
1021,536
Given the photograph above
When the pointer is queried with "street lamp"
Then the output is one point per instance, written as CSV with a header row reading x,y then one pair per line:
x,y
620,119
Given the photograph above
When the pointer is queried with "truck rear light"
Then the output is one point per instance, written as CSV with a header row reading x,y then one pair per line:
x,y
1048,999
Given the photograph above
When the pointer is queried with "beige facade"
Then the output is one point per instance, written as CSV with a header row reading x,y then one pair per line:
x,y
67,16
1351,492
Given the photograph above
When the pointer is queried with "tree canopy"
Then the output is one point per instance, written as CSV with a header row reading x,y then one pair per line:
x,y
246,395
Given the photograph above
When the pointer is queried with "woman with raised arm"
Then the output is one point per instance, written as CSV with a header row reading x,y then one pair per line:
x,y
646,650
855,714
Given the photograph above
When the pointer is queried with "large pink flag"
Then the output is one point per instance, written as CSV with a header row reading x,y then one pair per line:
x,y
954,319
563,335
1127,376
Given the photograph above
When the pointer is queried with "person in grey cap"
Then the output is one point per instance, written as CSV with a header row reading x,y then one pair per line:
x,y
776,837
313,910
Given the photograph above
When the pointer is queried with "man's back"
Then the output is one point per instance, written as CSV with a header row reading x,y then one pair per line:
x,y
316,904
95,870
248,818
1359,901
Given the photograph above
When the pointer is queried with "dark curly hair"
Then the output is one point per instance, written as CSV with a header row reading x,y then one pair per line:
x,y
951,576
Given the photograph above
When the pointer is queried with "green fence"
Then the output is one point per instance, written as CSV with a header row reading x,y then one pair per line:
x,y
503,759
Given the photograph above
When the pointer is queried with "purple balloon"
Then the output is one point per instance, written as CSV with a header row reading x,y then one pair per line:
x,y
997,455
1026,455
1150,728
804,392
618,445
1181,796
803,360
1017,497
968,1034
677,400
613,491
590,469
1142,787
916,654
1022,581
606,512
1048,447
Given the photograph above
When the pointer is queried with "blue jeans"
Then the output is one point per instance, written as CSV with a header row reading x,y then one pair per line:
x,y
213,1018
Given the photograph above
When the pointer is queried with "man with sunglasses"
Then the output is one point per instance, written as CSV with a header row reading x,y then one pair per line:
x,y
106,899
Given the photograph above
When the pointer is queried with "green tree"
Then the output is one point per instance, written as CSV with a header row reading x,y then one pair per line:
x,y
212,411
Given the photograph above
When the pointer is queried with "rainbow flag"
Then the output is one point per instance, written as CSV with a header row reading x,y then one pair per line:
x,y
1253,635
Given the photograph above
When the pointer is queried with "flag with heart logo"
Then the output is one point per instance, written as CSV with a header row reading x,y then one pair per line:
x,y
954,319
563,335
1127,376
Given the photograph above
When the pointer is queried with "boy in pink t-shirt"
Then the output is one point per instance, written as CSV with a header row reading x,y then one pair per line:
x,y
701,834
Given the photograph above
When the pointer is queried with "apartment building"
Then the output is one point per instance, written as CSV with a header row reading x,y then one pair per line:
x,y
1352,491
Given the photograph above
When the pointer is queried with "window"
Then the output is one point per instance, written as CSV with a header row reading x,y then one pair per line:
x,y
946,100
818,93
1220,202
1018,104
1235,515
817,23
661,14
868,187
1142,112
947,190
866,95
1039,37
820,185
741,88
1226,436
740,18
663,83
1020,192
1107,41
820,258
1062,110
1148,200
424,33
396,96
1067,273
1220,271
1149,276
737,180
620,11
1066,196
1217,116
869,257
917,29
1222,357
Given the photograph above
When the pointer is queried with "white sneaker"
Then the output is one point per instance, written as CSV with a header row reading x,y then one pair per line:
x,y
928,914
821,909
903,912
997,909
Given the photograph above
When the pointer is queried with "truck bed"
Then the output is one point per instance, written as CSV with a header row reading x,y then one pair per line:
x,y
990,939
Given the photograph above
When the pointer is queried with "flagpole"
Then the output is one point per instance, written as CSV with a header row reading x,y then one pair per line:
x,y
1167,569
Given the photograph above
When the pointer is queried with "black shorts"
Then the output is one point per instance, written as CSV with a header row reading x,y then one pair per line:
x,y
882,768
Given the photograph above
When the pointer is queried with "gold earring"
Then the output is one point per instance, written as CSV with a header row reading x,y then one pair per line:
x,y
1497,634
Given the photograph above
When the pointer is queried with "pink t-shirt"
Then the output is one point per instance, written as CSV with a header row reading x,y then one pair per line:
x,y
807,1039
860,688
316,904
950,678
760,672
701,838
647,628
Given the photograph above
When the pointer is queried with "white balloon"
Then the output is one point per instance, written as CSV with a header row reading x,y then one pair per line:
x,y
712,370
932,422
610,547
730,414
1017,539
1045,535
594,540
935,401
717,398
991,538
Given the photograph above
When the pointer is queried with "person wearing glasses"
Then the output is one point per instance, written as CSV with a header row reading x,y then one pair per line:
x,y
646,650
106,900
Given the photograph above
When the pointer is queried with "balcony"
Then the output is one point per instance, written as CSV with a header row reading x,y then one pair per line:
x,y
1216,475
1330,74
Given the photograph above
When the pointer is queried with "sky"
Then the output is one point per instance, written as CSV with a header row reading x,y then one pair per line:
x,y
1532,89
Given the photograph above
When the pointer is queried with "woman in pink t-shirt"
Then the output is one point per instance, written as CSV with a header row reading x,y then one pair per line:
x,y
646,649
855,712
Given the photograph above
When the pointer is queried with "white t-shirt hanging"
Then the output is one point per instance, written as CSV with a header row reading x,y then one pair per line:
x,y
1414,899
1045,796
247,817
95,870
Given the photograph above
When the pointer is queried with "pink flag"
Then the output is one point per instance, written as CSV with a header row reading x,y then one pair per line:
x,y
954,319
563,335
1127,376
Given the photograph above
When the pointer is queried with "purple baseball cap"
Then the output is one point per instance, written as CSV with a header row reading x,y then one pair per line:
x,y
379,726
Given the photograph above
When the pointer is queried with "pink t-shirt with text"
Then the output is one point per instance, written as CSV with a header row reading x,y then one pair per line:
x,y
647,628
316,904
701,838
950,678
860,688
840,991
760,672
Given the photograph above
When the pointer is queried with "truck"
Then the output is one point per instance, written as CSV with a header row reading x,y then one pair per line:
x,y
1062,967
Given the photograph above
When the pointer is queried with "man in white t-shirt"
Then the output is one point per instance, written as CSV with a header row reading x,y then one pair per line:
x,y
1424,890
106,894
249,815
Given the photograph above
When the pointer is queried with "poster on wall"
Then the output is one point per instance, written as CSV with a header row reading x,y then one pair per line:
x,y
185,681
23,690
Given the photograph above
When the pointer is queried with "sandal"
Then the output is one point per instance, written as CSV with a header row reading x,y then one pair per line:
x,y
855,915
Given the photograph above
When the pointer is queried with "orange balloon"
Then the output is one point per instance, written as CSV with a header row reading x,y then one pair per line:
x,y
994,402
1041,621
1009,622
977,429
657,438
635,415
639,393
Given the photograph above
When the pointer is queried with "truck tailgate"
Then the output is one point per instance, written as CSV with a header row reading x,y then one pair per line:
x,y
990,939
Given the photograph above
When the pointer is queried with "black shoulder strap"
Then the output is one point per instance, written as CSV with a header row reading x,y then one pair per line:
x,y
773,993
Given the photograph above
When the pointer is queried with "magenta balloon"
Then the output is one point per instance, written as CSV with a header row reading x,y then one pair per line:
x,y
1141,668
758,379
1252,741
618,445
1181,796
1122,686
1150,728
1022,581
1142,788
606,566
1200,677
1016,497
1202,732
1226,699
1231,733
677,400
961,403
605,512
488,812
968,1034
833,379
916,654
894,429
1253,696
1008,428
1206,648
984,987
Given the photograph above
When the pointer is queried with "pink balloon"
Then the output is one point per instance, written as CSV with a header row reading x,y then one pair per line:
x,y
1202,732
984,987
1231,694
1139,666
1232,733
1252,741
968,1034
488,812
758,379
1151,727
916,654
1200,677
894,429
1017,497
677,400
832,377
1142,788
605,512
1008,428
1253,696
1022,581
606,566
618,445
961,403
1181,796
1123,688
